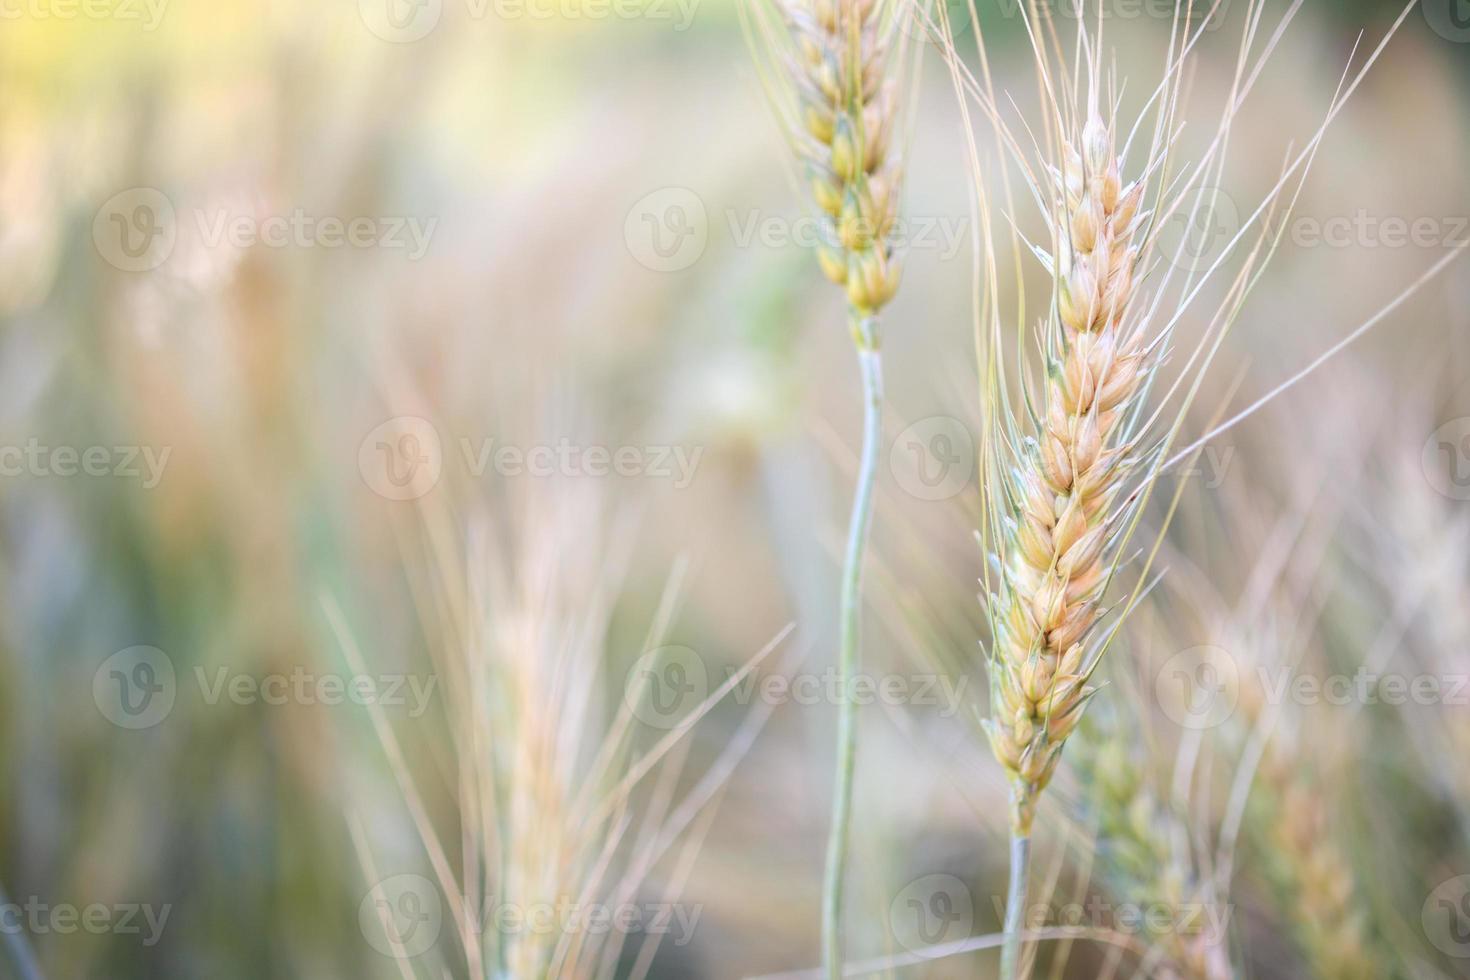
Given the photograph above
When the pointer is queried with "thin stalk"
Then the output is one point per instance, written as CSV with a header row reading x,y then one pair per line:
x,y
1010,952
847,659
22,958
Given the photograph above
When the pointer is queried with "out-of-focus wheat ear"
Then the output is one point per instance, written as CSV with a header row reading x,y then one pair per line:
x,y
1290,819
1143,848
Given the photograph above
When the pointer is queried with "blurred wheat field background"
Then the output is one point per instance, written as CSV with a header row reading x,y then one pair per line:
x,y
426,447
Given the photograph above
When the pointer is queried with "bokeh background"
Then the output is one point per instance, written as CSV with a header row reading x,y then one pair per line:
x,y
312,313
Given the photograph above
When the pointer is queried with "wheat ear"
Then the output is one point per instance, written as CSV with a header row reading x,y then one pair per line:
x,y
1066,483
1317,882
841,68
1143,847
1310,871
1056,568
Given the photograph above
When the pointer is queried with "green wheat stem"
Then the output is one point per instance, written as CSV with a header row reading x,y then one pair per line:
x,y
865,332
1015,904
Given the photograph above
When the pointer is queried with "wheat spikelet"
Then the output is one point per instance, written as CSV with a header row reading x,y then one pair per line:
x,y
1069,475
846,107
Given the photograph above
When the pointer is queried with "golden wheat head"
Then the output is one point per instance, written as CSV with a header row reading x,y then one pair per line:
x,y
1070,469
